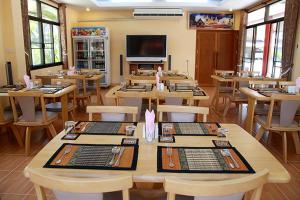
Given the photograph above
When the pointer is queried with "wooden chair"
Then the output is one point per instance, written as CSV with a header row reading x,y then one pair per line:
x,y
72,187
6,120
232,189
56,106
236,96
31,117
182,113
283,123
226,87
112,113
143,82
82,92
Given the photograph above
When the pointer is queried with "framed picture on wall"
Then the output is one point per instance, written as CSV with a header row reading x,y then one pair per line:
x,y
211,21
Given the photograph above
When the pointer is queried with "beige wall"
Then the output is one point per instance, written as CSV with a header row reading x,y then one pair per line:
x,y
296,71
181,40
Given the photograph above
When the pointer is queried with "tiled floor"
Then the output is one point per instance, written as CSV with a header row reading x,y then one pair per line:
x,y
14,186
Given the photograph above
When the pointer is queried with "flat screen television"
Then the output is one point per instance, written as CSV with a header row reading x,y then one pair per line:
x,y
146,48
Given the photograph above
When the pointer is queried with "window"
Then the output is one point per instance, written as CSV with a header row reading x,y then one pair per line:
x,y
263,44
44,35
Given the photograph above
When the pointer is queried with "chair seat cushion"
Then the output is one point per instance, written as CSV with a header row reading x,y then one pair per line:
x,y
182,117
77,196
239,97
113,117
238,196
225,89
39,117
56,107
8,117
275,121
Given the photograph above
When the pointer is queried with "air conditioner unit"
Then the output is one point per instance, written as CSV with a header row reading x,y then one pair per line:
x,y
153,13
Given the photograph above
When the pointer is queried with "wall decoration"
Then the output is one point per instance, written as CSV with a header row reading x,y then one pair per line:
x,y
210,21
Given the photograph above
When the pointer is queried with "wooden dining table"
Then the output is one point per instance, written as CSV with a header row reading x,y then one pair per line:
x,y
162,78
61,94
230,79
84,78
153,94
146,171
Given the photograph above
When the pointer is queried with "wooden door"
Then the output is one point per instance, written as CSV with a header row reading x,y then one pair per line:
x,y
214,50
205,57
226,52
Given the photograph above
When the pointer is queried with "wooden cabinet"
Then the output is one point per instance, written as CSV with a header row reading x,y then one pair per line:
x,y
145,66
214,50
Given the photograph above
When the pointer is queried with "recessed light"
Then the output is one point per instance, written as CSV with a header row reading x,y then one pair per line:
x,y
230,10
87,9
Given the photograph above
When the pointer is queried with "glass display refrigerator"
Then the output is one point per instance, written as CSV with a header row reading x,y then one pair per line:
x,y
91,50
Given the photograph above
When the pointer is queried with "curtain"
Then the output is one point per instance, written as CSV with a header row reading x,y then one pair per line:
x,y
289,36
63,34
25,21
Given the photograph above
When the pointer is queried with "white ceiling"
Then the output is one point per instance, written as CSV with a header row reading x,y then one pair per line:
x,y
209,5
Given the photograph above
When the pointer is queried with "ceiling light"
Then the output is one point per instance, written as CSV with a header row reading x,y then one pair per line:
x,y
230,10
87,9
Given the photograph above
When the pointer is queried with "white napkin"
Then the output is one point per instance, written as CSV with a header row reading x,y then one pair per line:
x,y
157,81
27,80
71,71
156,131
150,125
159,69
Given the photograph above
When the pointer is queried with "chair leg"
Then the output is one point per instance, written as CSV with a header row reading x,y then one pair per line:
x,y
259,133
226,108
284,145
52,130
27,141
17,135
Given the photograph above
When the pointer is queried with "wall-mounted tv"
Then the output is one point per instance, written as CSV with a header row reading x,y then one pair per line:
x,y
151,48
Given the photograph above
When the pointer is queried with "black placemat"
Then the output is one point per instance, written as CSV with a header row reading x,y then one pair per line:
x,y
201,160
5,89
192,128
93,156
102,128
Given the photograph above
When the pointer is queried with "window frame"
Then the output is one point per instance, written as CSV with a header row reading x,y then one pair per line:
x,y
254,27
40,20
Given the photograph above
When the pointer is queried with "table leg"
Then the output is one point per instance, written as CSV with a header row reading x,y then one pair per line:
x,y
64,108
99,100
215,100
250,114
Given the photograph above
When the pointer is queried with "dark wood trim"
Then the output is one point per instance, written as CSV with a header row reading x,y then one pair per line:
x,y
25,21
63,34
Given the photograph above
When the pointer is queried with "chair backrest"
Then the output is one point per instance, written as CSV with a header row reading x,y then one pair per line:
x,y
289,105
260,83
26,101
221,188
112,113
181,110
79,183
253,73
